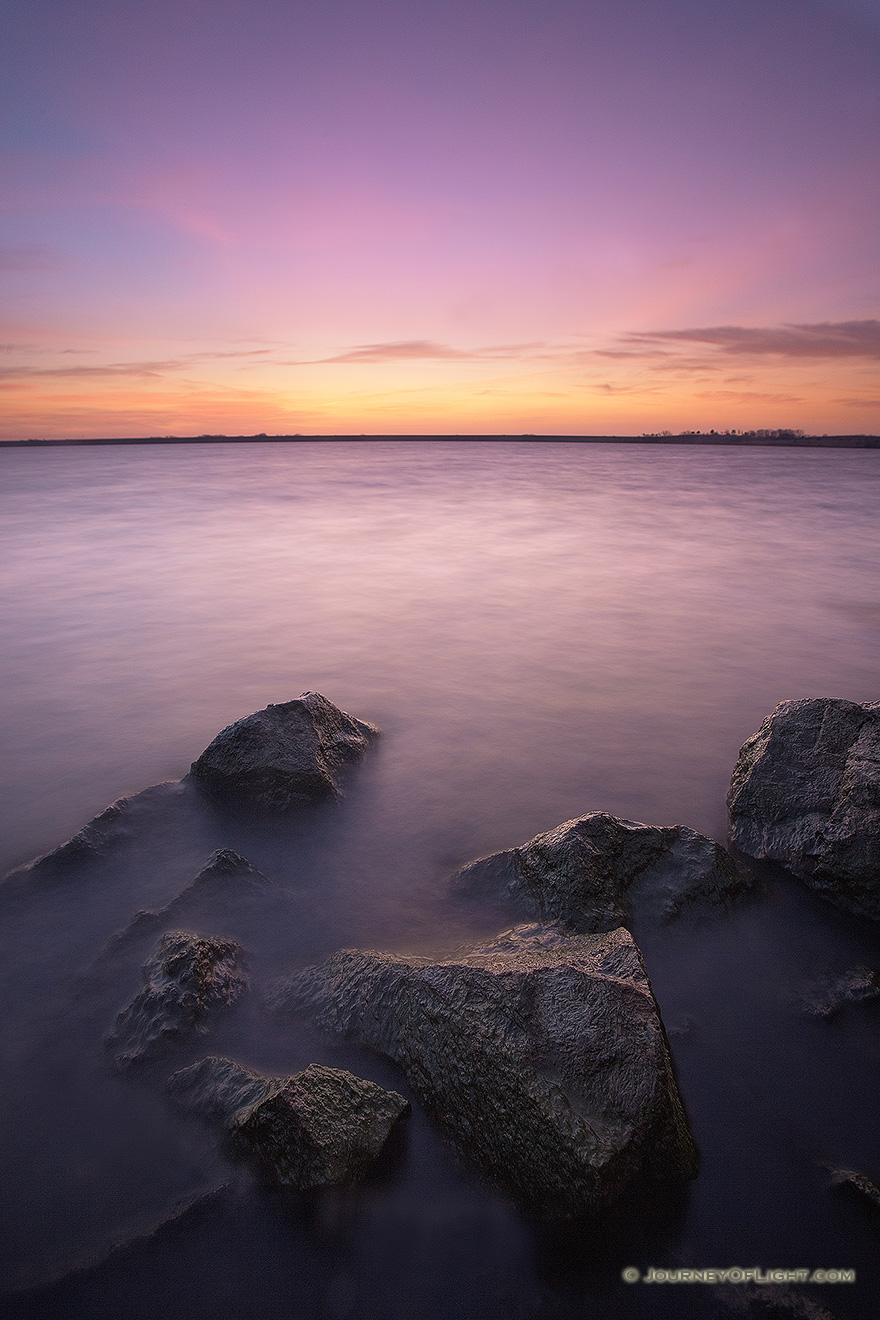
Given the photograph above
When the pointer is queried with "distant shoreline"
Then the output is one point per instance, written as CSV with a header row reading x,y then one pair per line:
x,y
781,442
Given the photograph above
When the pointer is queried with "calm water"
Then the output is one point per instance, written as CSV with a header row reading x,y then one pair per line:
x,y
540,630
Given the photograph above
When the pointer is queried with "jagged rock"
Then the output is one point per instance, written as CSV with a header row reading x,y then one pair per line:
x,y
541,1053
185,979
317,1128
283,755
806,792
827,995
225,875
586,871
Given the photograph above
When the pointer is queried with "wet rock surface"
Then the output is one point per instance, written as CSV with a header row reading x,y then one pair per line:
x,y
318,1128
586,872
541,1054
283,755
186,979
805,791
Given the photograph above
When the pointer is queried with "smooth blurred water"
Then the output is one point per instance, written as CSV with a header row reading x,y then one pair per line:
x,y
540,630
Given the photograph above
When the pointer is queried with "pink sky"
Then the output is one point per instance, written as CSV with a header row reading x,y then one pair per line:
x,y
566,218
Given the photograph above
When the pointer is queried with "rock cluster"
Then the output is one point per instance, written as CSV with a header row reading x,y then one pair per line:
x,y
541,1054
586,872
283,755
806,792
318,1128
186,978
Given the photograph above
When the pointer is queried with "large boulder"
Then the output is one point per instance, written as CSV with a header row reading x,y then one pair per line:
x,y
186,979
317,1128
805,791
283,755
541,1054
586,872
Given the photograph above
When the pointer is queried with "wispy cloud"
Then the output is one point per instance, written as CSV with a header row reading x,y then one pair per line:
x,y
825,339
748,396
142,370
427,350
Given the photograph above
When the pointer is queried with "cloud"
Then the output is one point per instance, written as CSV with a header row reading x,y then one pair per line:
x,y
620,354
426,350
825,339
232,353
859,403
143,370
748,396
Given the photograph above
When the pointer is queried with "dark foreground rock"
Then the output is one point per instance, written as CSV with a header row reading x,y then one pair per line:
x,y
317,1128
586,872
806,792
186,979
542,1055
283,755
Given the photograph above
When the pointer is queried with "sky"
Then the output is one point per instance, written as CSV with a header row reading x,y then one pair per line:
x,y
458,217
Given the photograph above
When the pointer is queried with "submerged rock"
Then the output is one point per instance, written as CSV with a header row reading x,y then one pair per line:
x,y
850,1180
283,755
541,1053
186,978
826,996
226,875
771,1302
585,872
104,836
317,1128
806,792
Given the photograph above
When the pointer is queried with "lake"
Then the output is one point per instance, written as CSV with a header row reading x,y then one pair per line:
x,y
540,630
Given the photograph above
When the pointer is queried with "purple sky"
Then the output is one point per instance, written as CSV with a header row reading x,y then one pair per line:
x,y
548,217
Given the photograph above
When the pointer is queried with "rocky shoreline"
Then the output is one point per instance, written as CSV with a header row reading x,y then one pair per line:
x,y
539,1053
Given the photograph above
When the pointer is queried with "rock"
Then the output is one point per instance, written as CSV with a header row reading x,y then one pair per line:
x,y
771,1302
848,1180
585,872
541,1054
185,980
826,996
104,836
225,875
806,792
283,755
316,1129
